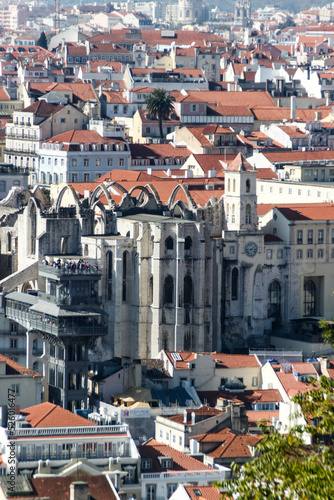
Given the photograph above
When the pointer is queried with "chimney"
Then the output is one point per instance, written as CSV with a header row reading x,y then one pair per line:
x,y
328,101
185,417
293,107
193,418
79,491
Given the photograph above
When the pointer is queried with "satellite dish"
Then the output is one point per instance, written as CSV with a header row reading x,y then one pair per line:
x,y
192,44
172,44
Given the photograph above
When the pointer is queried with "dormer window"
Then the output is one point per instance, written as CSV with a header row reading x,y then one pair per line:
x,y
146,464
166,462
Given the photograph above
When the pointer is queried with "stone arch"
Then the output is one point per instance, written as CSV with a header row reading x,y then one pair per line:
x,y
75,198
178,209
143,190
171,200
100,205
155,193
212,202
101,188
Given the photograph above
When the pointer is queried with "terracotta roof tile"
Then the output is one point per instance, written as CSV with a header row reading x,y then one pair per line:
x,y
56,488
181,462
14,368
206,493
240,164
43,108
247,397
51,415
236,360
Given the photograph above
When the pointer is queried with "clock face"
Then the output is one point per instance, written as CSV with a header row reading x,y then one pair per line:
x,y
251,249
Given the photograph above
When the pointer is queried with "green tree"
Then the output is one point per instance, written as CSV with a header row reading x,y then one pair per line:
x,y
160,105
286,468
287,24
327,329
42,42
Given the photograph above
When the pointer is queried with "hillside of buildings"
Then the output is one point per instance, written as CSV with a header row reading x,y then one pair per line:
x,y
166,241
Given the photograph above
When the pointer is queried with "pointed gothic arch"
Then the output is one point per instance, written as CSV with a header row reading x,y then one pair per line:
x,y
75,198
171,201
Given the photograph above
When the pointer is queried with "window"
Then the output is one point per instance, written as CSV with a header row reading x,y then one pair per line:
x,y
254,381
151,492
110,162
121,162
310,293
188,243
280,253
74,162
332,235
98,162
310,236
234,283
310,253
321,236
171,488
248,186
169,243
124,290
74,178
299,237
274,299
299,192
63,120
187,290
86,178
248,214
13,343
2,186
146,464
269,254
320,253
232,250
168,292
180,441
86,162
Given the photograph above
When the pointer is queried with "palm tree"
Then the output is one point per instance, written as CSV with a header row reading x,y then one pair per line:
x,y
159,105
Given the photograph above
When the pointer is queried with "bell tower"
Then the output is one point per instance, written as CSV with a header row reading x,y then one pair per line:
x,y
240,200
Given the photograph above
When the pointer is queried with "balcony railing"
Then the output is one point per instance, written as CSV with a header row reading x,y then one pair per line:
x,y
64,431
48,324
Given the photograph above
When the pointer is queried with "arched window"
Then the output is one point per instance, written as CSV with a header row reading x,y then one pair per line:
x,y
234,283
9,242
248,218
150,290
33,222
229,185
233,213
233,185
125,262
310,297
169,243
109,274
248,186
188,243
274,299
168,290
187,290
85,250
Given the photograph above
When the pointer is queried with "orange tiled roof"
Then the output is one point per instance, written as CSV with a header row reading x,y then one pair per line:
x,y
235,360
240,164
51,415
56,488
181,462
304,368
14,368
206,493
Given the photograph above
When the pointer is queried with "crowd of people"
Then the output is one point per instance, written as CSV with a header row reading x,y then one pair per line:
x,y
71,265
